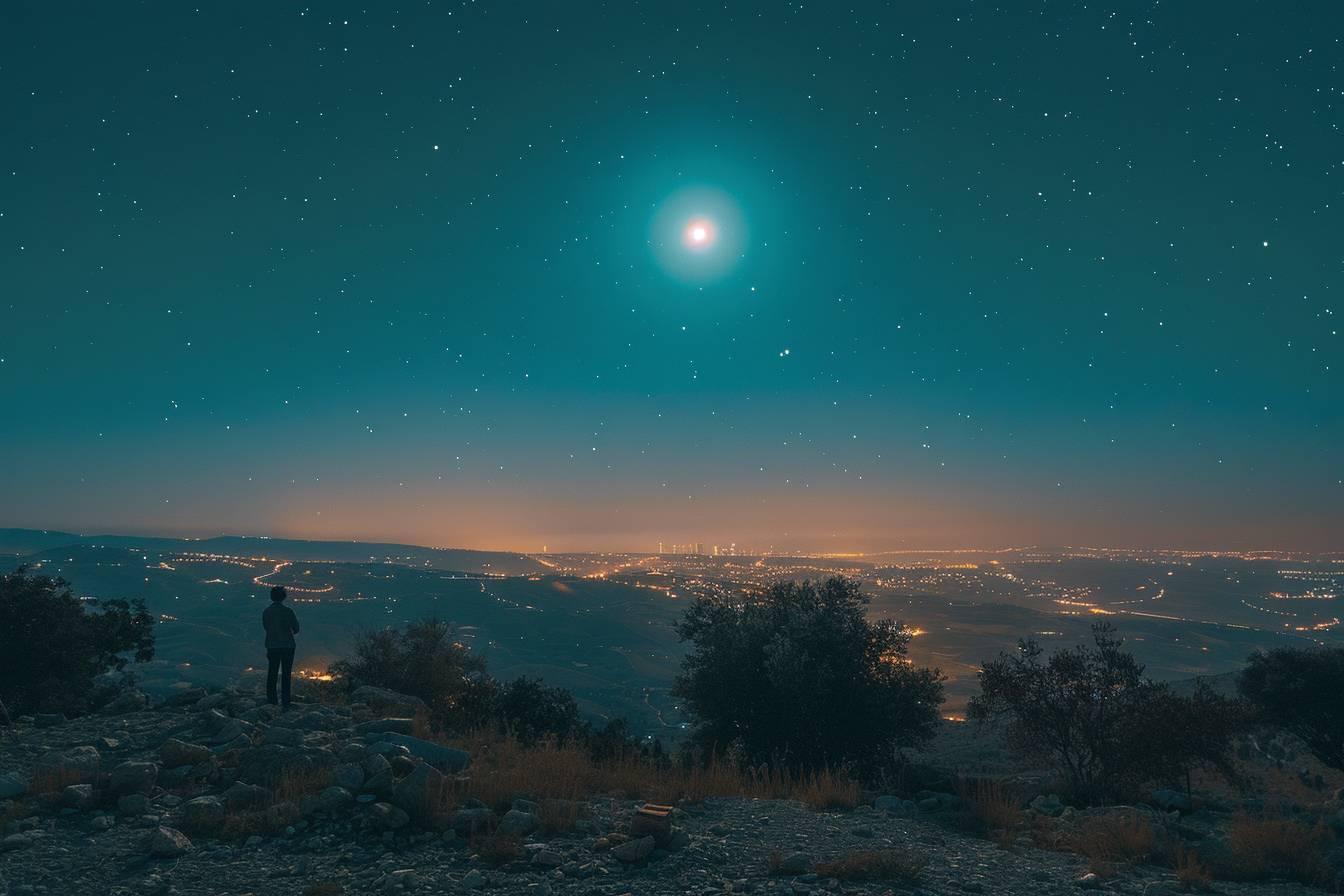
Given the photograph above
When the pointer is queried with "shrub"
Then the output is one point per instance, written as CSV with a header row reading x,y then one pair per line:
x,y
1299,689
799,677
1191,873
996,808
899,865
531,711
423,659
52,646
1082,707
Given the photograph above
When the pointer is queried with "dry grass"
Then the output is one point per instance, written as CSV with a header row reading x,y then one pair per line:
x,y
296,783
558,816
993,805
1265,847
241,825
503,769
898,865
1114,839
1191,873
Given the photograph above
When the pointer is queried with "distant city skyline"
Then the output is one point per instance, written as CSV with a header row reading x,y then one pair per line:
x,y
509,276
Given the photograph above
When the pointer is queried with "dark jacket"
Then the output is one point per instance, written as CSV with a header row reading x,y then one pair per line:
x,y
281,625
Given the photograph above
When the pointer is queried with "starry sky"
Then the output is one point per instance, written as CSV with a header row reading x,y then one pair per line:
x,y
982,275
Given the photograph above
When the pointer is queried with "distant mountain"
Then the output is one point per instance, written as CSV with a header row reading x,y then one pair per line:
x,y
25,542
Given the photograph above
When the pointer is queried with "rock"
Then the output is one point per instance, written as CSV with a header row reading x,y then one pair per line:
x,y
185,697
634,850
1171,800
211,701
443,758
1047,805
266,764
203,814
133,804
167,843
12,785
48,719
77,796
794,864
331,800
129,700
377,775
286,737
15,841
133,777
388,726
103,823
402,765
421,792
548,858
1089,881
383,700
174,752
387,817
350,776
80,762
518,824
473,880
242,797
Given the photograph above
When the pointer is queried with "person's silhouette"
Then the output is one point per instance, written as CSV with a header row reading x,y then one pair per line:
x,y
281,625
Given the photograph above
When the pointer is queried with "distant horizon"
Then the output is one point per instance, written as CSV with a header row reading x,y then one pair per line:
x,y
748,550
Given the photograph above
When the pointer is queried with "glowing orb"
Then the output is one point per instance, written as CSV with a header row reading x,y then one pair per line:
x,y
699,234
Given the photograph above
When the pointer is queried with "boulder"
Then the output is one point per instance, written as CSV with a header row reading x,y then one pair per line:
x,y
377,775
174,752
185,697
385,701
634,850
468,822
387,817
421,792
167,843
48,719
83,762
285,737
129,700
350,776
133,777
473,880
266,764
389,726
443,758
331,801
516,823
77,796
203,814
1047,805
242,797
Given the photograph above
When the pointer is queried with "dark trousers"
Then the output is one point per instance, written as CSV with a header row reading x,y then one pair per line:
x,y
279,660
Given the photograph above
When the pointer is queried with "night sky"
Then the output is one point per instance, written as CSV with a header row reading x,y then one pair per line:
x,y
971,275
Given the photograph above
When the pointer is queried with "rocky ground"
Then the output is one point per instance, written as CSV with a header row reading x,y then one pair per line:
x,y
199,796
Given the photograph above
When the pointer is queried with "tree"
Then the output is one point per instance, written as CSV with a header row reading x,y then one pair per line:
x,y
532,711
1300,690
52,645
799,676
1106,727
425,660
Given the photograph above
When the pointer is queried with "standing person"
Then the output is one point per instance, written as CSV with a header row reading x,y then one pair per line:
x,y
281,625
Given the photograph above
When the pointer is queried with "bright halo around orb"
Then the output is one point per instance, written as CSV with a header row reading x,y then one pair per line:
x,y
698,235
